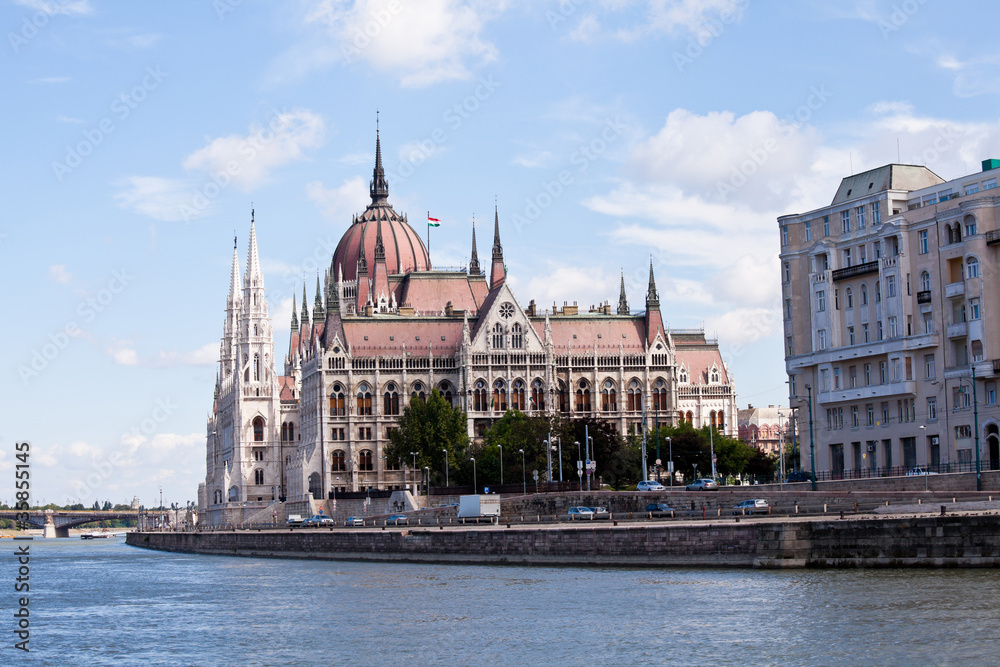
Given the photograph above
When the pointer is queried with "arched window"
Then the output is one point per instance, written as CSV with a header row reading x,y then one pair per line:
x,y
712,418
973,267
338,461
925,281
258,477
390,400
516,337
714,378
849,295
258,429
563,397
977,350
418,392
864,294
365,461
721,423
256,367
498,336
446,393
234,493
537,395
660,395
500,396
338,407
364,399
314,485
517,396
583,397
284,431
609,399
680,417
970,225
634,396
479,397
682,375
291,431
690,417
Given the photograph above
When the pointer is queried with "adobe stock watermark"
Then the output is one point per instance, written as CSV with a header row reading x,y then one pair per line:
x,y
376,21
454,117
88,310
707,33
581,158
945,141
759,155
899,16
560,15
121,108
31,25
102,470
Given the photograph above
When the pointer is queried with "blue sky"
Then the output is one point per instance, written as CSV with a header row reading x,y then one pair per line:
x,y
138,134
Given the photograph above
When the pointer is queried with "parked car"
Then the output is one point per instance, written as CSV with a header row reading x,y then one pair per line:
x,y
318,520
600,512
659,509
919,472
354,521
398,519
703,485
650,485
294,520
752,506
580,512
799,476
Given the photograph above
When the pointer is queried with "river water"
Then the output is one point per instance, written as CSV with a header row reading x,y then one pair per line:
x,y
102,602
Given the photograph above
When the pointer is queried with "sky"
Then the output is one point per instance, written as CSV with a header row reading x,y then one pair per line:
x,y
608,134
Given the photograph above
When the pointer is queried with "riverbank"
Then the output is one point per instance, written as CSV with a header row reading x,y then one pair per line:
x,y
922,541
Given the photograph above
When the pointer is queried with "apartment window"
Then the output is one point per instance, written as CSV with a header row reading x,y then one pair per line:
x,y
972,189
882,368
854,416
860,212
890,286
836,379
850,335
931,408
974,308
928,323
895,369
870,407
878,249
845,218
922,242
868,375
864,294
849,295
809,232
862,254
784,235
840,417
791,383
973,266
829,419
885,413
836,299
878,291
864,331
787,272
878,330
929,367
989,183
876,214
824,379
847,257
791,349
788,309
925,281
826,225
970,226
991,393
821,339
852,376
820,301
960,398
893,332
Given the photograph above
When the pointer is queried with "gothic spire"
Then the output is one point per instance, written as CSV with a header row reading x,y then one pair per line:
x,y
498,272
379,246
622,301
305,307
474,262
652,298
497,248
295,317
235,282
379,187
254,277
318,313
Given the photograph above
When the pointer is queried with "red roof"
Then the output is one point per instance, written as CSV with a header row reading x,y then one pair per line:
x,y
404,251
429,292
580,332
387,336
699,363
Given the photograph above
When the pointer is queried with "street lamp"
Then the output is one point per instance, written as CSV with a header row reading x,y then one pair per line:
x,y
427,486
812,439
590,456
524,478
975,412
475,486
671,468
501,464
414,455
445,466
579,464
548,453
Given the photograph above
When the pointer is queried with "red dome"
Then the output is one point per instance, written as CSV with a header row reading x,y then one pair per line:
x,y
404,251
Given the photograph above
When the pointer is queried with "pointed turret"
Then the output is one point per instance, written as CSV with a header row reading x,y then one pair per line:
x,y
652,299
654,322
380,275
318,312
379,187
364,287
295,317
305,308
499,272
235,282
254,278
622,301
474,262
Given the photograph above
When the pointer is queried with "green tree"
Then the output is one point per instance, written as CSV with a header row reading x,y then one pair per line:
x,y
429,427
761,465
516,431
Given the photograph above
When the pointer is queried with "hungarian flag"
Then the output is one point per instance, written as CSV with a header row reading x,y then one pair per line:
x,y
433,222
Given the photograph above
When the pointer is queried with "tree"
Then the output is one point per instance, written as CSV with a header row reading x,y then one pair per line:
x,y
428,427
515,431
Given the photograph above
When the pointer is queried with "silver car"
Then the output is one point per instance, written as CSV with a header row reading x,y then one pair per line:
x,y
703,485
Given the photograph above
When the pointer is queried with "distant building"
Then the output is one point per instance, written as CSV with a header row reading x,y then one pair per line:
x,y
888,297
765,428
386,327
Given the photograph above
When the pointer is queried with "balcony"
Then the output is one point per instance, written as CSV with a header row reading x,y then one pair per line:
x,y
993,237
819,276
952,290
856,270
958,330
996,367
874,392
924,297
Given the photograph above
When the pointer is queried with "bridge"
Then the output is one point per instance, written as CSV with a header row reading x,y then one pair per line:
x,y
56,523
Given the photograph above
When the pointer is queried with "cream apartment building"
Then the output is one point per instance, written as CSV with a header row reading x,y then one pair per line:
x,y
891,314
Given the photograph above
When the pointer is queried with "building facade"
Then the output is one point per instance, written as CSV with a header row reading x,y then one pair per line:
x,y
386,328
888,295
766,428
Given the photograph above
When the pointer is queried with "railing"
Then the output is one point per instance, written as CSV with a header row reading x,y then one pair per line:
x,y
993,237
856,270
898,471
924,297
996,366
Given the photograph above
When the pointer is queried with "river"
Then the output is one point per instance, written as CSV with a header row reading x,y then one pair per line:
x,y
102,602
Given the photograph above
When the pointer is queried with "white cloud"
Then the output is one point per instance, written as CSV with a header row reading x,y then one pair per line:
x,y
123,352
249,159
68,119
340,202
51,79
535,160
206,355
59,274
421,41
51,7
741,326
586,30
159,198
558,283
702,20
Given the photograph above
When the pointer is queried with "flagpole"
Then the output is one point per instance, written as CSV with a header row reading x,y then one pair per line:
x,y
428,236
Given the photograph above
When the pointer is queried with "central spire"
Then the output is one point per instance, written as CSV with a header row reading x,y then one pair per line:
x,y
498,272
474,262
622,300
379,187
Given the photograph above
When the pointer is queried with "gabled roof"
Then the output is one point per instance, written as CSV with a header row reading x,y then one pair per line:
x,y
608,331
430,291
386,336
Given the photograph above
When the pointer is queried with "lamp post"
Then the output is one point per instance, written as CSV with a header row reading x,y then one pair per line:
x,y
414,455
548,453
975,413
501,464
656,425
445,466
671,468
579,462
475,486
559,440
590,456
427,484
812,438
524,478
